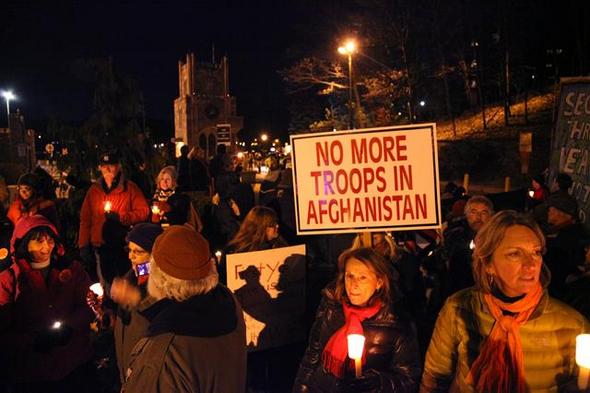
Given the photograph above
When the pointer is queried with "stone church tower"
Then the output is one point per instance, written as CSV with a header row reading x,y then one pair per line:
x,y
204,112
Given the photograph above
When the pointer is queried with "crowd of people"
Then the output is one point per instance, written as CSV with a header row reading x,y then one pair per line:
x,y
492,302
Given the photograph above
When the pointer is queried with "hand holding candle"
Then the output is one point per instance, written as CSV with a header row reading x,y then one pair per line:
x,y
356,345
583,359
156,210
97,289
108,206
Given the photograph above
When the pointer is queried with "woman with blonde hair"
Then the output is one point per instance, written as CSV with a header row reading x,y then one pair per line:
x,y
505,334
169,206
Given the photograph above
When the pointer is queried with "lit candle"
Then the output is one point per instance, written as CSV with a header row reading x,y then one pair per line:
x,y
97,289
56,325
218,254
531,193
471,245
583,359
356,345
108,206
155,210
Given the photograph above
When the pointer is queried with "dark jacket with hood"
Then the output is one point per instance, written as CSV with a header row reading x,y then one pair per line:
x,y
198,345
32,302
391,351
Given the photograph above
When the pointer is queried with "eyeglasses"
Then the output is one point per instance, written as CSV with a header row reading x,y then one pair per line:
x,y
133,251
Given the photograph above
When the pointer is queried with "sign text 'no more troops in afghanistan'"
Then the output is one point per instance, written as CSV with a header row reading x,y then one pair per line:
x,y
380,179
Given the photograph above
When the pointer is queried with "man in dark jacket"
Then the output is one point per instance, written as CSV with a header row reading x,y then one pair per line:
x,y
458,241
183,168
196,340
564,250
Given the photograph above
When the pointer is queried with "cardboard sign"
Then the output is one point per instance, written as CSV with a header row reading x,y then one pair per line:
x,y
270,286
570,152
372,179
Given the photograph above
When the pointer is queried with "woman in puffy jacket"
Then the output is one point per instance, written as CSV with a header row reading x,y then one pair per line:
x,y
359,302
505,334
45,324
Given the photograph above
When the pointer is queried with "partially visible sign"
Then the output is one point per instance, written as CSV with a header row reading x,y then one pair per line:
x,y
525,144
570,152
525,147
224,134
270,286
372,179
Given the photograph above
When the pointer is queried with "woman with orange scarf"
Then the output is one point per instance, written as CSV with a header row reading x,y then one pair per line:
x,y
506,334
359,302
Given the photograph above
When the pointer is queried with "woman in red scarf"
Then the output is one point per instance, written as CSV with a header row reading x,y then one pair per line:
x,y
359,302
505,335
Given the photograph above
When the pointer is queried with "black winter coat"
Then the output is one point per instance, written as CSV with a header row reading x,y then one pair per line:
x,y
391,349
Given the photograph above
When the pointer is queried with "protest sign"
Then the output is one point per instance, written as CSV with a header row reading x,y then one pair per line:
x,y
570,141
270,286
372,179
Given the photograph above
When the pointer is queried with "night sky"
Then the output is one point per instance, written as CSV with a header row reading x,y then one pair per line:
x,y
40,39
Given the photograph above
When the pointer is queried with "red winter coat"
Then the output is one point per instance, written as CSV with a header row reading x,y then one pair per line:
x,y
127,202
42,206
31,304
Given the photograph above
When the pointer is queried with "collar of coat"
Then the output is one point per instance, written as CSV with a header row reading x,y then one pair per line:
x,y
119,184
210,315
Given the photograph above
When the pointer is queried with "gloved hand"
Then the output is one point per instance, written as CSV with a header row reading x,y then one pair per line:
x,y
367,382
87,254
47,339
111,216
95,303
63,334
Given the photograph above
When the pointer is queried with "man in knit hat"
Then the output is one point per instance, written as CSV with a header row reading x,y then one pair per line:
x,y
564,251
110,207
196,340
130,293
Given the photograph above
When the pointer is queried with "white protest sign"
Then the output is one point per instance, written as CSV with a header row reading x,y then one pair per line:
x,y
270,286
372,179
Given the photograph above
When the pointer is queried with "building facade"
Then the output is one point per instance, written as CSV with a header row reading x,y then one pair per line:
x,y
17,148
204,112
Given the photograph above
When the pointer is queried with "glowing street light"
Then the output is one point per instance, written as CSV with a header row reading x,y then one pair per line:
x,y
8,95
348,49
264,137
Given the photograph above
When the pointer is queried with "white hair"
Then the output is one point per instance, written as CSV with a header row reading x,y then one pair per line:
x,y
162,285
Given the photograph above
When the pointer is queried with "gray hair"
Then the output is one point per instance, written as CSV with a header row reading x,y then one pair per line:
x,y
162,285
481,200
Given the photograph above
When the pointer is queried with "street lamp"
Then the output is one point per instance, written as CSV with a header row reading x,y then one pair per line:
x,y
264,137
8,96
348,49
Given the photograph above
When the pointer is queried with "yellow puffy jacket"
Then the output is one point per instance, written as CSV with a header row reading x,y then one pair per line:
x,y
548,342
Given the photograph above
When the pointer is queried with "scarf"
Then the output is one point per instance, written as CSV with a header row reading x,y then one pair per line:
x,y
336,350
500,364
163,195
